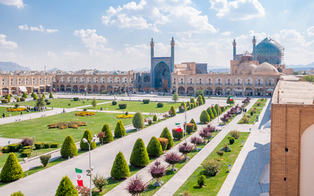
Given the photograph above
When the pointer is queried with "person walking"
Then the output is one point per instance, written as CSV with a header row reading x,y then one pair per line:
x,y
3,115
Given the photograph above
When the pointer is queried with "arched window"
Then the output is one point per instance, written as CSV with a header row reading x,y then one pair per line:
x,y
146,78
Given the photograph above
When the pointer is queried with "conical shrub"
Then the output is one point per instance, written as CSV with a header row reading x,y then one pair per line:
x,y
35,96
166,134
11,170
43,96
195,125
200,100
193,101
214,111
119,131
217,108
139,156
173,111
24,95
188,105
50,95
68,148
8,97
108,133
203,97
210,113
19,193
204,118
154,148
138,120
87,135
66,188
120,168
155,118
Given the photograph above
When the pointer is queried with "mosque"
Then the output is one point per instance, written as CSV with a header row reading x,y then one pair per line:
x,y
255,73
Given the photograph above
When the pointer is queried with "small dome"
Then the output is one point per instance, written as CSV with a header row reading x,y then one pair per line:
x,y
265,69
246,68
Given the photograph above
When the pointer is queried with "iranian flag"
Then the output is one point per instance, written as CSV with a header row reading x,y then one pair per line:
x,y
231,98
178,126
79,177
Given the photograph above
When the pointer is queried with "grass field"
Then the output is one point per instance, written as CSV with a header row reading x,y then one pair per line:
x,y
61,103
134,106
213,184
258,111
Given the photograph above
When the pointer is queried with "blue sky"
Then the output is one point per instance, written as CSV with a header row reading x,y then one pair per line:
x,y
115,35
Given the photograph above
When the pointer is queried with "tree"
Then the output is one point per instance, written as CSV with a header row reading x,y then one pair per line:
x,y
35,96
204,118
200,100
195,125
100,182
193,101
175,97
11,170
40,102
94,102
87,135
166,134
50,95
109,137
154,148
210,113
138,120
8,97
68,148
24,95
172,111
139,156
66,188
120,168
119,131
230,100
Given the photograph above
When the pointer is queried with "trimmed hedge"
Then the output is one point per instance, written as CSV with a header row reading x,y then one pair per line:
x,y
26,153
166,134
120,168
177,135
47,145
14,147
146,101
114,102
39,145
6,149
76,98
163,143
160,105
54,145
154,148
11,170
189,128
123,105
139,156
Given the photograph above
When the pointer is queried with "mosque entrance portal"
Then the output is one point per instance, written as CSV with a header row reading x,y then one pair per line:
x,y
162,77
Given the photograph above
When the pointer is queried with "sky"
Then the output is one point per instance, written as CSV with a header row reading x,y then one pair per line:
x,y
115,35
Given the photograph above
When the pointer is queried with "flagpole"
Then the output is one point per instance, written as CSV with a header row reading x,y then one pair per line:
x,y
185,125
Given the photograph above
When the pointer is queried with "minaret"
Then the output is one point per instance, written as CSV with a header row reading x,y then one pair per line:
x,y
172,54
152,48
151,62
234,49
254,51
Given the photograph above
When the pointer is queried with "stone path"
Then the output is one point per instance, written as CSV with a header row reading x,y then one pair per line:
x,y
184,173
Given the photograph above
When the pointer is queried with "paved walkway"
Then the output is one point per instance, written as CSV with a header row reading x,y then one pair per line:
x,y
249,166
46,181
184,173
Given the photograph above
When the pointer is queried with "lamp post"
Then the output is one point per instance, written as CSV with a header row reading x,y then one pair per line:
x,y
218,108
89,171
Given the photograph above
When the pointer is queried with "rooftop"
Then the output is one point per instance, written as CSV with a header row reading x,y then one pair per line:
x,y
291,90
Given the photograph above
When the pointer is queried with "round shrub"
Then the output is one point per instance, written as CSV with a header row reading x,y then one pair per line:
x,y
231,140
201,180
114,102
87,135
138,120
226,148
122,105
109,137
235,133
66,188
22,99
68,148
154,148
139,156
44,159
120,168
189,127
204,118
146,101
163,142
211,167
166,134
177,135
119,131
11,170
19,193
150,122
160,105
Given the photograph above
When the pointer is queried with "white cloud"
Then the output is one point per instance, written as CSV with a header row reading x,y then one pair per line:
x,y
156,15
40,29
310,31
91,40
226,33
18,3
7,44
238,9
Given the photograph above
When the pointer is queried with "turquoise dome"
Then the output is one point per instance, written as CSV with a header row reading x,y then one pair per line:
x,y
268,51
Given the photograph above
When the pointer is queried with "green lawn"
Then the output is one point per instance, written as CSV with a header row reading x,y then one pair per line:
x,y
7,114
61,103
258,111
213,184
134,106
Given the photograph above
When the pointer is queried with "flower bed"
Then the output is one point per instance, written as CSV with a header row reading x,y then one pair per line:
x,y
16,109
84,113
64,125
123,116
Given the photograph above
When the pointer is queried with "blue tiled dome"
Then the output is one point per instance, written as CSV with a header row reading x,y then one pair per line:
x,y
268,51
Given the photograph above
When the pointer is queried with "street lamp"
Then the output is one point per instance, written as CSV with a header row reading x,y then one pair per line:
x,y
89,171
218,108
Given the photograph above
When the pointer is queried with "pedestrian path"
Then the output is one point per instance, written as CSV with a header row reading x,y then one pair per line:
x,y
184,173
177,180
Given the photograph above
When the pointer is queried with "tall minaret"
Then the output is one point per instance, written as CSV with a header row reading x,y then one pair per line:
x,y
254,51
234,49
151,62
152,48
172,54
